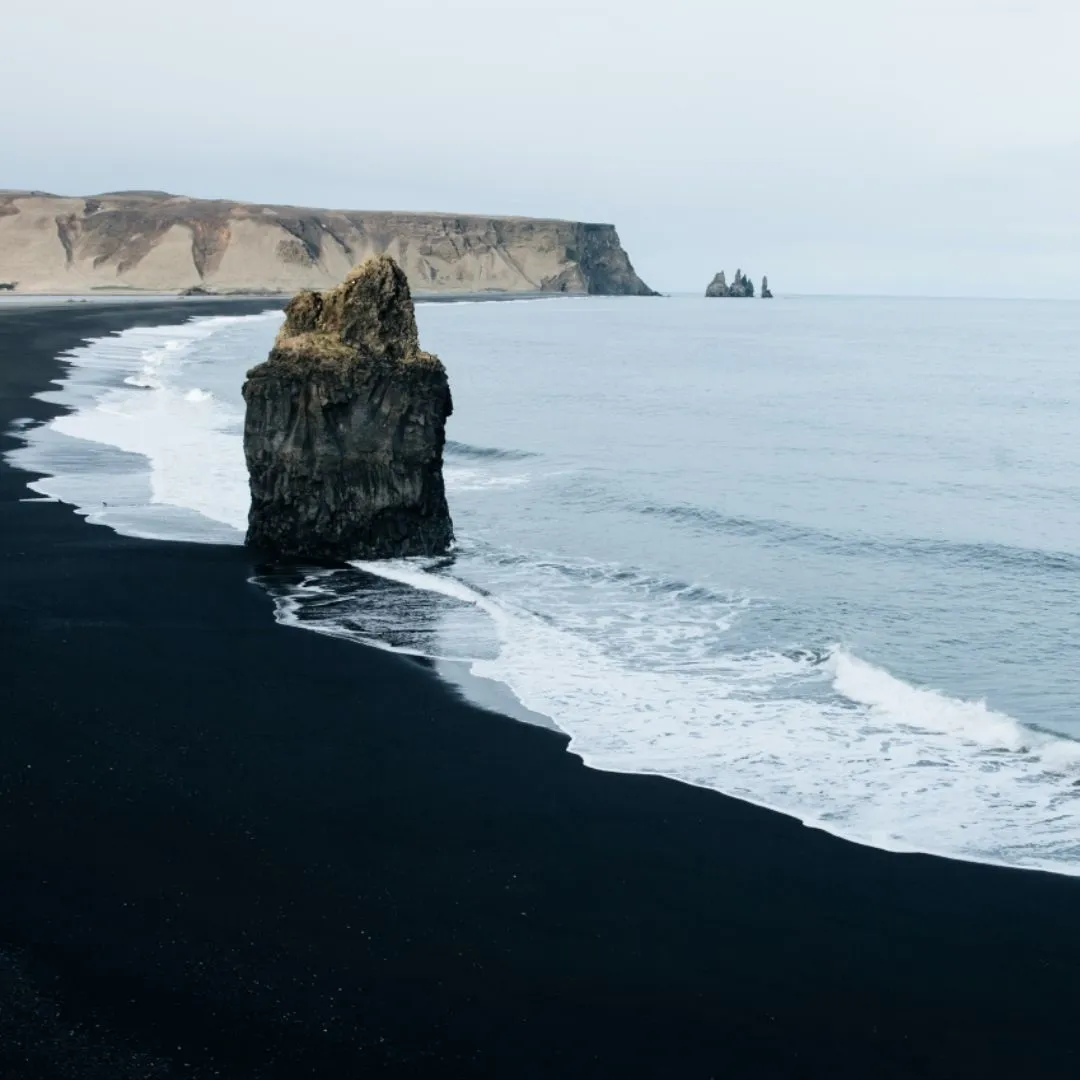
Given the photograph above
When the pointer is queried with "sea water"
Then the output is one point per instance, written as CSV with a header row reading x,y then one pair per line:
x,y
819,554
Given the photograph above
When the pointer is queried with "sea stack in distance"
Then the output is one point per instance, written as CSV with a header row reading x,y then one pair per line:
x,y
345,427
718,286
742,286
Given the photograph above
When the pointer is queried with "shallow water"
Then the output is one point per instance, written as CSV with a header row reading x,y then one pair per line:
x,y
820,554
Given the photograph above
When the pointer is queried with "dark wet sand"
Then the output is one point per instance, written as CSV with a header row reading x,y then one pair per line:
x,y
234,849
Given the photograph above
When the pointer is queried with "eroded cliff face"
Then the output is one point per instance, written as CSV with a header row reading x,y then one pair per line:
x,y
154,241
345,427
600,266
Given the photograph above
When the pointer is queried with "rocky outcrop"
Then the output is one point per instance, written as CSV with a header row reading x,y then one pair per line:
x,y
765,294
345,427
742,286
153,241
604,268
718,286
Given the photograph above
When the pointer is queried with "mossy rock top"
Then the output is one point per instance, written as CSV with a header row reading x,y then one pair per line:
x,y
368,317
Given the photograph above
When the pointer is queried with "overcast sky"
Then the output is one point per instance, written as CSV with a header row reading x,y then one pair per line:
x,y
864,146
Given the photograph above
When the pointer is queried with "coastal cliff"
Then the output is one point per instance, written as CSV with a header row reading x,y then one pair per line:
x,y
156,242
345,427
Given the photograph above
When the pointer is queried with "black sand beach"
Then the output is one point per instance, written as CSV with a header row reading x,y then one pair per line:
x,y
232,849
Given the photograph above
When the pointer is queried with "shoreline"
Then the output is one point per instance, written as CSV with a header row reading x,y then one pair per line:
x,y
101,298
242,850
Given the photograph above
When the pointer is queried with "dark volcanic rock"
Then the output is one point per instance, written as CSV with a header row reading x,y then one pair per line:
x,y
345,427
603,265
718,286
741,286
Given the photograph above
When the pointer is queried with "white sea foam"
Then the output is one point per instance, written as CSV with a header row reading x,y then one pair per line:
x,y
892,701
459,479
145,382
128,396
192,463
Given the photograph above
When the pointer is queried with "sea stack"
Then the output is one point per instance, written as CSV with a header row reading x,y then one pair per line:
x,y
718,286
742,286
765,293
345,427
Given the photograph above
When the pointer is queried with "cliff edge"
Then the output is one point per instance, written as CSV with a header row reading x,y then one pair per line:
x,y
345,427
155,242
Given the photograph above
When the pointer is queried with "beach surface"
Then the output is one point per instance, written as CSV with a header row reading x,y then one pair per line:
x,y
235,849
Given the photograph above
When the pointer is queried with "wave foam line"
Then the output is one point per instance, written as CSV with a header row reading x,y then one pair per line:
x,y
880,763
121,393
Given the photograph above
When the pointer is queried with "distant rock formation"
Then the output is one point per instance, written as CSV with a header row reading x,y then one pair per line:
x,y
742,286
157,242
765,294
8,286
345,427
718,286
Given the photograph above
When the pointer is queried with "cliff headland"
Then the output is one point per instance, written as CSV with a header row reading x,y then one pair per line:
x,y
151,241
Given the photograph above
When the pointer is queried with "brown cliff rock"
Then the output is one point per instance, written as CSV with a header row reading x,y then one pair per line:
x,y
156,242
345,427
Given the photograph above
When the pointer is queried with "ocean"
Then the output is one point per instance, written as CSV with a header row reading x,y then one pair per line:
x,y
819,554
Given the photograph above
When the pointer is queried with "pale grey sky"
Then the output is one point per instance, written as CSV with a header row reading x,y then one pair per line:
x,y
873,146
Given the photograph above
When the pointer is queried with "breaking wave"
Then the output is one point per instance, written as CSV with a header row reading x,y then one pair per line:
x,y
817,733
783,533
486,453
